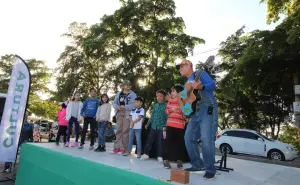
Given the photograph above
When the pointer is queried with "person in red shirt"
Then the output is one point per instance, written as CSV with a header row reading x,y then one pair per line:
x,y
175,147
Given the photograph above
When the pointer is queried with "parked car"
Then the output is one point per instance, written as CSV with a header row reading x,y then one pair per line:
x,y
44,127
253,143
55,125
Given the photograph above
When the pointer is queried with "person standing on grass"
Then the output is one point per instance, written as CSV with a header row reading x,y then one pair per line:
x,y
124,102
73,116
63,123
157,125
88,112
103,117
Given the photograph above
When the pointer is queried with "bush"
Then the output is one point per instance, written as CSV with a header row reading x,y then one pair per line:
x,y
290,134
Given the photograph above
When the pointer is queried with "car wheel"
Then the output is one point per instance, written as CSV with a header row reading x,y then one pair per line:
x,y
276,155
226,147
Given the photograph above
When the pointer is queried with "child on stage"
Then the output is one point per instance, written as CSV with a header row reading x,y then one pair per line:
x,y
124,102
136,119
73,116
63,123
109,133
157,125
89,111
103,117
175,147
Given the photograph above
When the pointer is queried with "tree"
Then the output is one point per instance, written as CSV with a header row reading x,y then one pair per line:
x,y
139,42
76,70
40,73
290,8
277,7
257,93
40,77
43,108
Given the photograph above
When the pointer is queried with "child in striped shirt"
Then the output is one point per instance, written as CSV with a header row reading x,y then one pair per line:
x,y
175,147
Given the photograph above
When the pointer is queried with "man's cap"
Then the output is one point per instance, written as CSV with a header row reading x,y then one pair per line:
x,y
183,62
126,82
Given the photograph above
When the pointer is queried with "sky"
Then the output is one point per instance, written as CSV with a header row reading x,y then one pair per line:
x,y
33,28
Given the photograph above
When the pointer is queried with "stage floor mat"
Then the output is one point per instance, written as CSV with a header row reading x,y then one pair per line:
x,y
85,167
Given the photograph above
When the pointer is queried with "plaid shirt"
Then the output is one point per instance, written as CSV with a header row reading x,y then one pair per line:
x,y
158,118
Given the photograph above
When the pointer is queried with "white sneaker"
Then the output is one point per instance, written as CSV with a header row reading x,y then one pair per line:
x,y
160,159
144,157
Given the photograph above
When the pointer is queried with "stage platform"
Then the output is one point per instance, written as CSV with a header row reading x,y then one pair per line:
x,y
48,164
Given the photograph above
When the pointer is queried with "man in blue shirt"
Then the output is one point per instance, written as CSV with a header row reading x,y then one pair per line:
x,y
88,112
203,123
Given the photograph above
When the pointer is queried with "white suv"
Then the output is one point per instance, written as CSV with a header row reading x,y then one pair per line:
x,y
253,143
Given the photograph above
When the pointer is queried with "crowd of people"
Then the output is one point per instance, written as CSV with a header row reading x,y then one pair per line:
x,y
94,112
175,136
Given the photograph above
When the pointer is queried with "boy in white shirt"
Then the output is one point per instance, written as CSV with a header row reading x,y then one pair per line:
x,y
136,120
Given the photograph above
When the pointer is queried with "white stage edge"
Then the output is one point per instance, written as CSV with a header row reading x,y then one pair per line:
x,y
245,172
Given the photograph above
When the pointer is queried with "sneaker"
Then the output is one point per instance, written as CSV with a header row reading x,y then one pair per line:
x,y
81,146
67,144
97,149
127,154
116,150
121,152
160,159
193,169
102,149
179,164
167,164
144,157
91,148
74,144
138,156
209,176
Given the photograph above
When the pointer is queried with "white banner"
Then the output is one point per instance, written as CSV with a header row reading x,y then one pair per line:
x,y
297,89
14,110
296,107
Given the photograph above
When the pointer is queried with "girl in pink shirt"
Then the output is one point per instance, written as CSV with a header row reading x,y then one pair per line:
x,y
63,124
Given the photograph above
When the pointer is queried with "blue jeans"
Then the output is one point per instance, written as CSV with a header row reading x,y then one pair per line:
x,y
101,129
205,126
70,124
135,133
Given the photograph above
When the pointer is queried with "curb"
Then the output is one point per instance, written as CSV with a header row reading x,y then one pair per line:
x,y
293,163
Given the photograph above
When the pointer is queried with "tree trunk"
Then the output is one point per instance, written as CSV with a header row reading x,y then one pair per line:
x,y
272,131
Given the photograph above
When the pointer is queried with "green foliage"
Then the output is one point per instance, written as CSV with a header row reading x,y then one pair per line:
x,y
139,42
290,134
40,76
277,7
43,108
289,8
40,73
257,89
